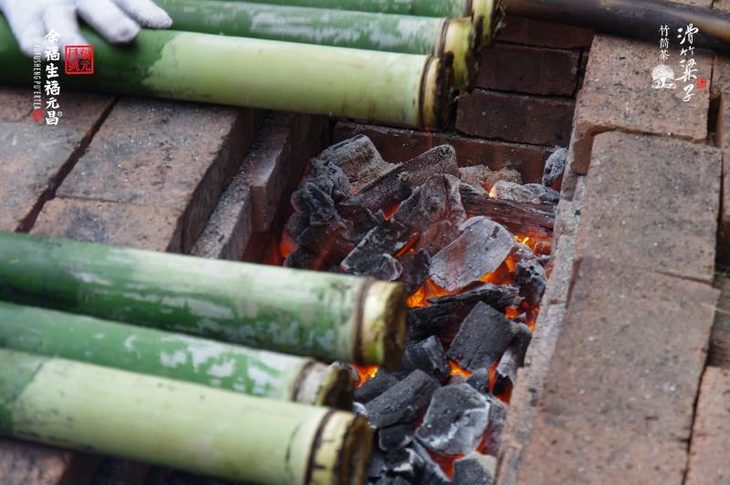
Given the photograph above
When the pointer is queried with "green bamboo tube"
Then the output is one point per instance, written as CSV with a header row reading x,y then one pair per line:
x,y
484,12
325,315
148,351
401,89
438,37
178,424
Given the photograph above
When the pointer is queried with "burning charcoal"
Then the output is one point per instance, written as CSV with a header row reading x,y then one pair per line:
x,y
327,243
358,158
554,168
311,201
386,238
395,437
436,200
377,464
455,420
481,249
374,387
359,221
529,193
404,462
475,469
535,221
428,356
396,480
530,276
445,314
432,473
396,184
497,422
456,379
482,339
359,409
415,269
479,380
482,178
330,179
403,403
512,359
384,267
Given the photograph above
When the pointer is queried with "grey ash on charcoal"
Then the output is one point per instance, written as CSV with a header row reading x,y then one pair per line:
x,y
471,245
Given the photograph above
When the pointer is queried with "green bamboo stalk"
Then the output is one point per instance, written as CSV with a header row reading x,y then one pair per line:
x,y
178,424
402,89
483,12
148,351
434,36
330,316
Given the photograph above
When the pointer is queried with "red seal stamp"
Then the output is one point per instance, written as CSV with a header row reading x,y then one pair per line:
x,y
79,60
702,83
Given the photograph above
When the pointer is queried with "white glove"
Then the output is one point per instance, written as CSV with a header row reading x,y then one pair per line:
x,y
118,21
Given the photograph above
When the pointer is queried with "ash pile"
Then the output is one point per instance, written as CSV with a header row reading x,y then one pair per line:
x,y
472,247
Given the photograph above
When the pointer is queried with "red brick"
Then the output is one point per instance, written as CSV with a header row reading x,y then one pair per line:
x,y
723,5
720,340
529,70
652,203
515,118
618,400
617,95
143,227
36,157
32,464
708,462
544,34
398,145
164,154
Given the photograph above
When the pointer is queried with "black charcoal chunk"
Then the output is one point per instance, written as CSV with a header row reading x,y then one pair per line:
x,y
330,179
481,248
403,403
404,462
475,469
427,355
377,464
374,387
530,276
482,339
444,314
432,473
456,379
436,200
479,380
384,239
358,158
455,420
513,359
555,168
525,194
393,480
315,204
395,437
415,269
497,422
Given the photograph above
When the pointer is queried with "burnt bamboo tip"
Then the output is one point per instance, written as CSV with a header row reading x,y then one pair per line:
x,y
488,15
383,331
336,387
436,81
341,451
459,38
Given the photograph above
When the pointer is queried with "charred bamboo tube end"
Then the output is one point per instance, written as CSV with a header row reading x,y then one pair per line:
x,y
342,451
331,386
382,337
435,89
459,39
487,13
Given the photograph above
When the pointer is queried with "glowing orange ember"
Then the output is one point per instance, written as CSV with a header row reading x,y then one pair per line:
x,y
365,372
457,370
287,245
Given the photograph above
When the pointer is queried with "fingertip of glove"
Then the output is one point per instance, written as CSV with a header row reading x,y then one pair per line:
x,y
124,33
157,19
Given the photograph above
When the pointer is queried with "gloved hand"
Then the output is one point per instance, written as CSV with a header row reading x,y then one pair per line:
x,y
118,21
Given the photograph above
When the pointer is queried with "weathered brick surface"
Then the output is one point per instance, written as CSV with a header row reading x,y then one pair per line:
x,y
515,118
24,463
143,227
617,95
163,154
530,380
723,138
398,145
36,157
276,163
617,404
720,341
545,34
228,231
529,70
708,461
652,203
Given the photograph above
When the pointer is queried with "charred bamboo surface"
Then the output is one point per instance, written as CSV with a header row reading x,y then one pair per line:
x,y
631,18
